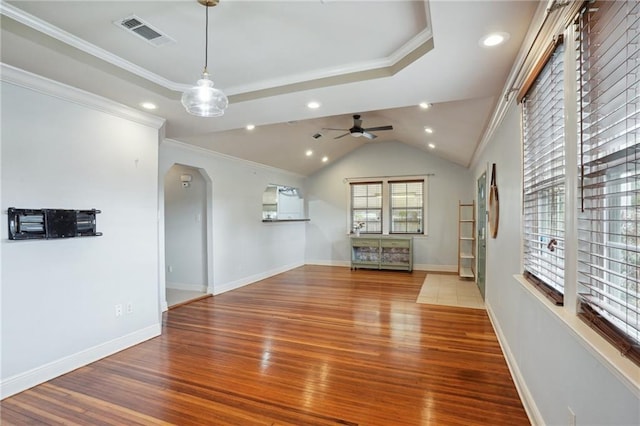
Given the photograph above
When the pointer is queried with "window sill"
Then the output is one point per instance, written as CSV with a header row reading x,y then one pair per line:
x,y
603,351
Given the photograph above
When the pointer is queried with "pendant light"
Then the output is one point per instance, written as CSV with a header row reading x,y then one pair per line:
x,y
203,99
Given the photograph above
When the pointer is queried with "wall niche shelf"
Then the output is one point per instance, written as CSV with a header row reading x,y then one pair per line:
x,y
382,252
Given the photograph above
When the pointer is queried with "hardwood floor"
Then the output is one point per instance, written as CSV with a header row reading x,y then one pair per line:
x,y
312,346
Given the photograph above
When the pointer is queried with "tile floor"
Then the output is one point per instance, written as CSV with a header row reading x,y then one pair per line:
x,y
450,290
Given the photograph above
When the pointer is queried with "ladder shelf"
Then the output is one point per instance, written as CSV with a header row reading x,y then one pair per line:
x,y
466,240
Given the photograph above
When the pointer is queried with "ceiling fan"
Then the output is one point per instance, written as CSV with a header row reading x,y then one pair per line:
x,y
357,130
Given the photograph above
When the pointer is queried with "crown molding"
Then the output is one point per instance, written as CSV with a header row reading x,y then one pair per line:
x,y
547,23
71,40
382,66
416,47
19,77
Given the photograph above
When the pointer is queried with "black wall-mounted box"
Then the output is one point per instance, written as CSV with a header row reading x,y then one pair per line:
x,y
33,224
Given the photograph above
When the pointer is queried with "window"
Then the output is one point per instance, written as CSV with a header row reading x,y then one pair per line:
x,y
366,207
406,207
388,205
609,220
544,176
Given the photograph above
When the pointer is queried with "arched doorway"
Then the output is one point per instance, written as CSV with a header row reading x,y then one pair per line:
x,y
185,233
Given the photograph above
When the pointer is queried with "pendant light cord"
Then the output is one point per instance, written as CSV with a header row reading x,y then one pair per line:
x,y
206,38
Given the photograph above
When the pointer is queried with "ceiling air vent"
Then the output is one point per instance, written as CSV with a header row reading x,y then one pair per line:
x,y
143,30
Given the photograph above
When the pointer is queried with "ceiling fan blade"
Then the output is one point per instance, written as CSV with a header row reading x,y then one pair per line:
x,y
342,136
377,129
369,135
329,128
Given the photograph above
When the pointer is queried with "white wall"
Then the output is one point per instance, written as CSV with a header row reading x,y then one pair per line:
x,y
59,296
242,248
555,367
185,225
327,194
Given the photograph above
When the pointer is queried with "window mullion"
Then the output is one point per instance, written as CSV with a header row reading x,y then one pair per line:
x,y
572,182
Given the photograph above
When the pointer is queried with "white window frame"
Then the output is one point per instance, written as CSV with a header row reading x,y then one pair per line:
x,y
386,203
605,293
545,181
368,223
406,209
607,355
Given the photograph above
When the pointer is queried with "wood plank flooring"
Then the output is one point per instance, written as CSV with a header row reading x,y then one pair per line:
x,y
312,346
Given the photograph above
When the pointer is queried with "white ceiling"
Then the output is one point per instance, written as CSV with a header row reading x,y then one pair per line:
x,y
374,58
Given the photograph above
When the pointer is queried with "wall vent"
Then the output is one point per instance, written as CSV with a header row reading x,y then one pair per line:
x,y
144,30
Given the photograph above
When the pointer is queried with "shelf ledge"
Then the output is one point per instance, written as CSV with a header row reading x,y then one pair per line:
x,y
466,273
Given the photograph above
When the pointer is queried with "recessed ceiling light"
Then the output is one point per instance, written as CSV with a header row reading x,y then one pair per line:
x,y
494,39
313,105
425,105
250,126
432,145
309,153
428,130
148,105
325,159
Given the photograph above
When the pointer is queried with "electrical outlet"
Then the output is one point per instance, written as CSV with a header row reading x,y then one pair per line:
x,y
129,308
170,268
118,310
572,417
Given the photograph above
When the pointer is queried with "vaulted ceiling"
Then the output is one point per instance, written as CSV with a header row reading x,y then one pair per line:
x,y
379,59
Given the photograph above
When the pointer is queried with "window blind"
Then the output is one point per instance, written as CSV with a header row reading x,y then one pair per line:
x,y
366,207
406,207
544,174
609,223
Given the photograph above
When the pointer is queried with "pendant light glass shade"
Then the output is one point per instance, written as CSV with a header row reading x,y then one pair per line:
x,y
204,100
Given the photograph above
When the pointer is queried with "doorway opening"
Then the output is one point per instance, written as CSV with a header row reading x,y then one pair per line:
x,y
186,230
481,227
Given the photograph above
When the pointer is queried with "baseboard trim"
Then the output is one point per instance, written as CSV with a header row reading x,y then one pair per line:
x,y
343,263
189,287
186,302
435,268
21,382
535,417
453,269
223,288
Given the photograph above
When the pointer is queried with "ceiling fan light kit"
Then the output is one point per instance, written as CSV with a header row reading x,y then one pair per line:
x,y
203,99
